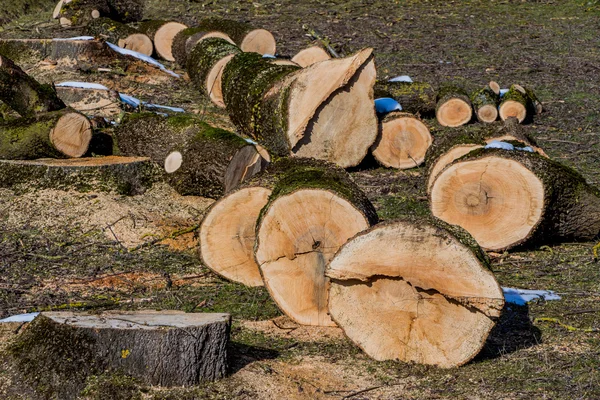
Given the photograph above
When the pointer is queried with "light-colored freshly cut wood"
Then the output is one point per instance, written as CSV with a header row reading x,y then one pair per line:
x,y
57,8
311,55
72,134
213,81
137,42
513,104
283,61
495,87
163,39
310,214
173,162
93,102
402,142
453,106
414,291
185,41
448,158
260,41
485,103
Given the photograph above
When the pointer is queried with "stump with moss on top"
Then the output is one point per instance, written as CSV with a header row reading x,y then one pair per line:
x,y
453,107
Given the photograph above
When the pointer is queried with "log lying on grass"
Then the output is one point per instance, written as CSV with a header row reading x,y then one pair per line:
x,y
506,198
120,34
228,231
453,107
485,102
56,134
24,94
310,55
533,103
402,142
200,159
513,104
123,175
80,12
168,348
414,97
186,40
429,297
162,34
310,214
324,111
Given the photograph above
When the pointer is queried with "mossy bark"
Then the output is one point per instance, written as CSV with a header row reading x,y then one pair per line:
x,y
534,104
204,56
484,97
515,95
108,29
207,151
24,94
79,12
186,40
449,91
127,10
150,27
571,210
237,31
417,97
123,175
247,79
29,138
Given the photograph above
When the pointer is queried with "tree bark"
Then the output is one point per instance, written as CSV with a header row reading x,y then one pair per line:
x,y
162,34
530,199
80,12
24,94
186,40
311,212
513,104
57,134
453,106
127,10
120,34
416,98
212,161
485,102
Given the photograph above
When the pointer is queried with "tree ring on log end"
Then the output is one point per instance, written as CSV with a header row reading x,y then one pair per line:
x,y
448,158
311,55
427,298
497,200
228,233
454,112
298,234
173,162
511,108
213,81
95,14
402,142
72,134
137,42
64,22
259,41
487,113
163,39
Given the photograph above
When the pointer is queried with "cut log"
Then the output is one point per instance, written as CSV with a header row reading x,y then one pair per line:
x,y
485,102
248,38
513,104
417,97
534,105
185,41
310,55
310,214
495,87
24,94
56,134
507,198
228,231
306,112
127,10
92,102
453,107
80,12
282,61
200,160
120,34
162,34
429,297
206,63
402,142
168,348
123,175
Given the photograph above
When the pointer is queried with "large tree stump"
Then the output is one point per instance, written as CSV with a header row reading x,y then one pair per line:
x,y
162,34
485,102
124,175
199,159
402,142
310,214
310,55
24,94
168,348
414,97
324,111
453,106
56,134
120,34
228,231
415,291
507,198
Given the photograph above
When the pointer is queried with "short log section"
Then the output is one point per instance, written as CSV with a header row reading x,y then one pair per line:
x,y
310,214
310,55
514,103
453,106
185,41
485,102
120,34
428,298
162,34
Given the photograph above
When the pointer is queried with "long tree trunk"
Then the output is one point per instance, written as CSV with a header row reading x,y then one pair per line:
x,y
24,94
453,106
56,134
309,215
324,111
162,34
416,97
485,102
199,159
120,34
414,290
506,198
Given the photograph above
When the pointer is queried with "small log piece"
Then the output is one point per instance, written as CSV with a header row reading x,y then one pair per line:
x,y
81,12
417,97
428,298
186,40
507,198
453,107
24,94
402,142
310,55
56,134
514,104
485,102
309,215
199,159
162,34
168,348
120,34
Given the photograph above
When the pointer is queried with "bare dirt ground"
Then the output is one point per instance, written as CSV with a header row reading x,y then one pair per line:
x,y
93,251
